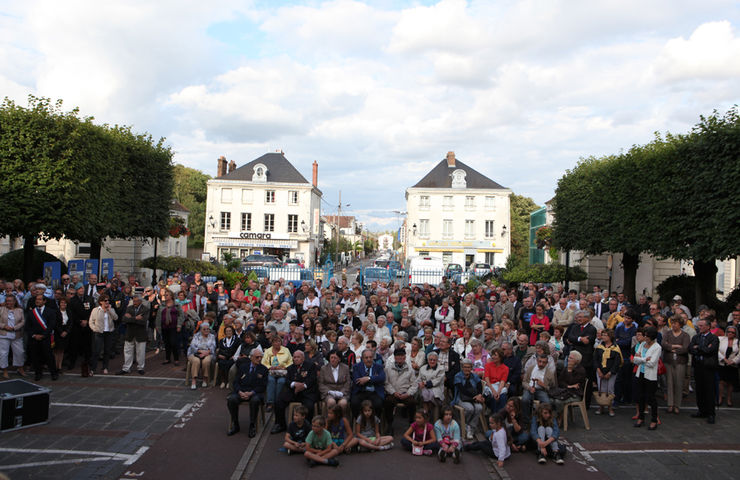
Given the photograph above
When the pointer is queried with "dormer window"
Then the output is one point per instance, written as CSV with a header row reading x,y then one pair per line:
x,y
260,173
458,179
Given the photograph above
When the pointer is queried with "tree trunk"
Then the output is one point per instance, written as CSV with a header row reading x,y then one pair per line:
x,y
29,245
629,265
706,282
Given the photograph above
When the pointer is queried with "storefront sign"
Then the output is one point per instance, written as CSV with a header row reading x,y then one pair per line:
x,y
255,236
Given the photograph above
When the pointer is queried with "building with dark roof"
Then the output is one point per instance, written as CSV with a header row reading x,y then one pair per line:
x,y
459,215
266,206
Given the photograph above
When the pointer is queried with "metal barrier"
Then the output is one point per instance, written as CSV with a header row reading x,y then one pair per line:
x,y
367,275
292,274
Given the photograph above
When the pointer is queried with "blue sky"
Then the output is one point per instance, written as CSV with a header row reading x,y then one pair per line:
x,y
378,92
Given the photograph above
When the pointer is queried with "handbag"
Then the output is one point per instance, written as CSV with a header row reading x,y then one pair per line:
x,y
419,449
604,399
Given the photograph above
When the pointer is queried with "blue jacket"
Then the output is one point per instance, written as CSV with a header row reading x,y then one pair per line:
x,y
460,379
535,426
376,383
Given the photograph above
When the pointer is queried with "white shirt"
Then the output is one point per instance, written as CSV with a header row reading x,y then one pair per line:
x,y
335,373
538,374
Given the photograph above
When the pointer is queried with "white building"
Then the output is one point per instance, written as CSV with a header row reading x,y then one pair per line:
x,y
385,242
126,254
459,215
265,206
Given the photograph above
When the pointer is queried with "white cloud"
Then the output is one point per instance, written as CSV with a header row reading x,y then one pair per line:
x,y
377,94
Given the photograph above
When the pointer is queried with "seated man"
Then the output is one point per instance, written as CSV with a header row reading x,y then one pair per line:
x,y
335,382
249,386
514,380
300,386
469,395
400,387
368,383
537,381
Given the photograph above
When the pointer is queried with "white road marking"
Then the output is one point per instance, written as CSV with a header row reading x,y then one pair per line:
x,y
97,456
123,407
184,409
687,450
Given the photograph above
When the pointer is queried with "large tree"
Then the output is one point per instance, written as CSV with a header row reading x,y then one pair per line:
x,y
520,207
190,189
64,176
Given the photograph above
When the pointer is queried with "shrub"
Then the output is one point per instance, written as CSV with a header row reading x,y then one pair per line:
x,y
11,264
188,265
543,273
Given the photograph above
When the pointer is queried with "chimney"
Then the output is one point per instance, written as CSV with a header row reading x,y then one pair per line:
x,y
232,166
315,174
451,159
221,169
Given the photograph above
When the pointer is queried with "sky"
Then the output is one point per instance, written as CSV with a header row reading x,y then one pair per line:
x,y
379,91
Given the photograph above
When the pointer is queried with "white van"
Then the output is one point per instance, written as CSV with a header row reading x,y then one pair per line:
x,y
425,270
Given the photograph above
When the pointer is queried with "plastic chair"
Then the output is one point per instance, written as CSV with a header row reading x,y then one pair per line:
x,y
580,404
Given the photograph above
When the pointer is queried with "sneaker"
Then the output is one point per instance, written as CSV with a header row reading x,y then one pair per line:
x,y
559,459
442,455
468,433
598,411
541,459
283,450
332,462
456,456
193,387
427,452
204,384
122,372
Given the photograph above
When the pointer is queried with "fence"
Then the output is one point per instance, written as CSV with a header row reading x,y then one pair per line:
x,y
407,277
293,274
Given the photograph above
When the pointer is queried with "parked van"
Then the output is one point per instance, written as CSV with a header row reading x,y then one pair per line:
x,y
425,270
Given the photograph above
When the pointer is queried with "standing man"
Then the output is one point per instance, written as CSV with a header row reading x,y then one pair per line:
x,y
135,319
469,311
704,347
41,323
102,324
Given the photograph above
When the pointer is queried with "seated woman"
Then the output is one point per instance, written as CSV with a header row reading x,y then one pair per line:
x,y
508,331
200,354
277,359
312,354
495,378
479,356
462,345
225,352
416,357
335,382
517,424
469,395
571,381
431,381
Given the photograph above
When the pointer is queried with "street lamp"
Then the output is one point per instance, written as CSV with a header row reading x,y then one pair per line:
x,y
212,221
503,231
413,230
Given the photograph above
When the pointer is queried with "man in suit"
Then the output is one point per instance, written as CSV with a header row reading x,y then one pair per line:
x,y
250,385
581,337
80,307
41,322
469,311
598,306
704,347
335,382
368,383
300,386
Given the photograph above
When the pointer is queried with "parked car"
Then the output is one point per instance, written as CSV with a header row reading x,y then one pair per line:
x,y
251,261
382,263
452,269
480,269
372,274
293,262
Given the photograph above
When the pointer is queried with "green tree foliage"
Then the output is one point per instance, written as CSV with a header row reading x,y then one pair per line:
x,y
190,189
673,197
118,183
11,264
520,207
188,265
543,273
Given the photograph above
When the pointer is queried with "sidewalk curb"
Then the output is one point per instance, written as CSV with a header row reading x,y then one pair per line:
x,y
245,467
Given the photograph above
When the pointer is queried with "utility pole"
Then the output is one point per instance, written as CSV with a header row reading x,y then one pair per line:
x,y
339,214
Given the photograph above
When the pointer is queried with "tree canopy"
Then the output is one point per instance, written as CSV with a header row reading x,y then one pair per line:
x,y
190,189
673,197
64,176
520,207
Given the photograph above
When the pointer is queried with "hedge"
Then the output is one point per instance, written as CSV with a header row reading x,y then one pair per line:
x,y
11,264
543,273
188,265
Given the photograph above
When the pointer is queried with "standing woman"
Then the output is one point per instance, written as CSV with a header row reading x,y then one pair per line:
x,y
169,326
607,359
11,335
675,358
444,315
646,358
63,333
729,359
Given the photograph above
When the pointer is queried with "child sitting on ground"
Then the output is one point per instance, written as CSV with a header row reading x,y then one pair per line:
x,y
340,430
320,450
419,438
497,445
367,430
295,436
447,431
545,431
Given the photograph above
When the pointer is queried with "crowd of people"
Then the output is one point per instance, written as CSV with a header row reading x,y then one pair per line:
x,y
355,357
